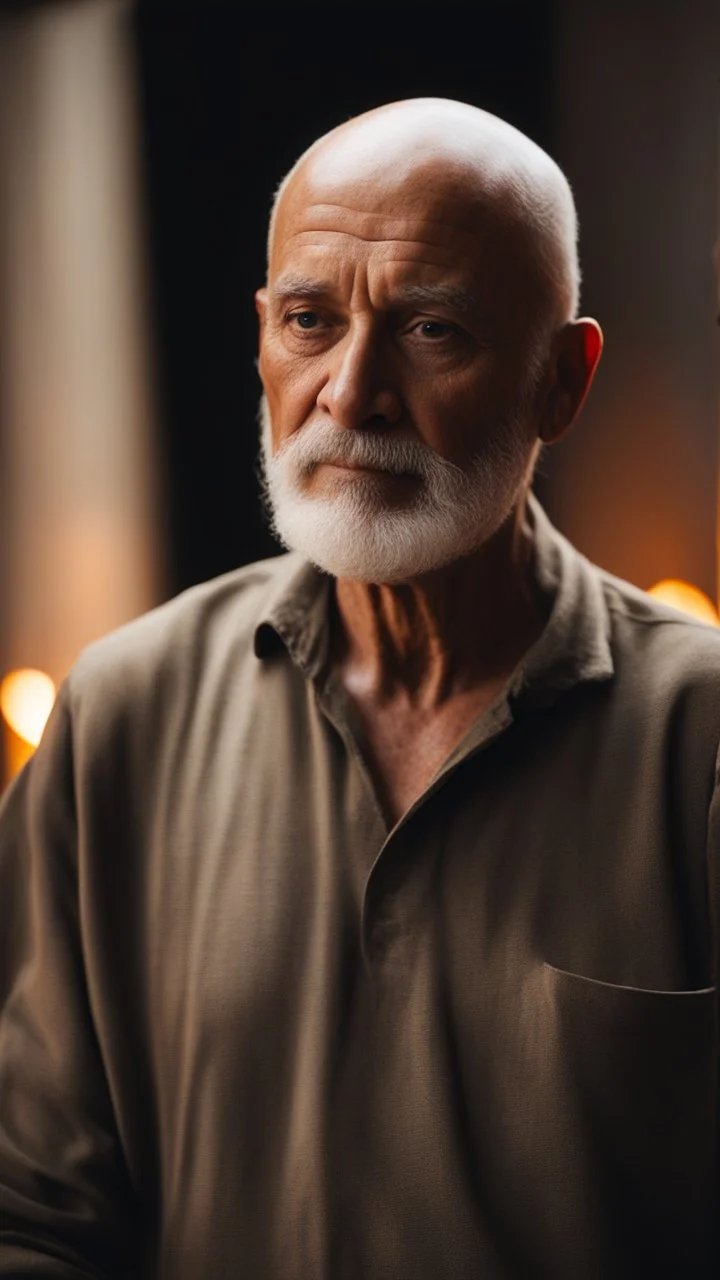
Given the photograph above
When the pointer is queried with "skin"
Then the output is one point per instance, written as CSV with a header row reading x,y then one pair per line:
x,y
394,201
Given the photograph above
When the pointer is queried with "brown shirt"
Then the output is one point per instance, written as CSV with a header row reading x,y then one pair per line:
x,y
248,1031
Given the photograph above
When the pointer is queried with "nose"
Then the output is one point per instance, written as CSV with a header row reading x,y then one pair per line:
x,y
358,391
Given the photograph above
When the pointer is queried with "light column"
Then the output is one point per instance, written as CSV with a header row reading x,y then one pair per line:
x,y
78,491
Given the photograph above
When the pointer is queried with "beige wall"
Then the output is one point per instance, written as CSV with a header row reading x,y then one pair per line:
x,y
78,497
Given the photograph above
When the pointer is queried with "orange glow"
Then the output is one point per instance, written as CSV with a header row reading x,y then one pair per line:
x,y
686,598
26,699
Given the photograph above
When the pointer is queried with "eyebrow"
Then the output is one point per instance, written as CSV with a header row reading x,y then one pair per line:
x,y
450,296
442,295
291,286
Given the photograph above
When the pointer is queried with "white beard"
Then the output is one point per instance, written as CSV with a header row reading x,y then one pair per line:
x,y
353,533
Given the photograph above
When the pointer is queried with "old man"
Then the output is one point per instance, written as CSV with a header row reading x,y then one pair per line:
x,y
355,909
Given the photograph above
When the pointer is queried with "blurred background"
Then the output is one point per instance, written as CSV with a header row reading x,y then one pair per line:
x,y
140,145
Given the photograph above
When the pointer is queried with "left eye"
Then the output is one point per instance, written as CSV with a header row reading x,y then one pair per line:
x,y
434,329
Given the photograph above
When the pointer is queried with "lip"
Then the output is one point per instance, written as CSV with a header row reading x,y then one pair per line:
x,y
377,473
355,466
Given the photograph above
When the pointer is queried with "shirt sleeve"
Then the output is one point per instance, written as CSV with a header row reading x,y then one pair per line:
x,y
66,1203
713,877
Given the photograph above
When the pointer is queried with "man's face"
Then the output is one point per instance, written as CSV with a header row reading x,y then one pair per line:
x,y
395,335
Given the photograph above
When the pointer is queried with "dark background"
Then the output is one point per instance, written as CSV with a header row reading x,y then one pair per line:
x,y
228,102
625,96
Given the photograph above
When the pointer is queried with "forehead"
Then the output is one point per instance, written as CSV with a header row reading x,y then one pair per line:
x,y
417,220
371,254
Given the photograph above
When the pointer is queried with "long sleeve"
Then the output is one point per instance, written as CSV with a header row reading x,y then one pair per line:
x,y
66,1204
713,875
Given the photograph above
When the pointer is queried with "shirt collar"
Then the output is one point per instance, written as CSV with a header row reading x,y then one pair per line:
x,y
574,646
296,613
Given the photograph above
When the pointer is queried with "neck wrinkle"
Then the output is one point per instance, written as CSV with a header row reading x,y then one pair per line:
x,y
458,629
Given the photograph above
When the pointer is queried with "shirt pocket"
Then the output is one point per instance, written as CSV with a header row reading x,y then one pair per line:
x,y
639,1077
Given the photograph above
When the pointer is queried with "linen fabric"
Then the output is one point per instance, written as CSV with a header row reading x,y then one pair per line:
x,y
247,1029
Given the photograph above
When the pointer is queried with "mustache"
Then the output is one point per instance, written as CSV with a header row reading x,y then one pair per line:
x,y
321,442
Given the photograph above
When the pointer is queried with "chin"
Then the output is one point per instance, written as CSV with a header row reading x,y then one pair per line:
x,y
369,542
373,528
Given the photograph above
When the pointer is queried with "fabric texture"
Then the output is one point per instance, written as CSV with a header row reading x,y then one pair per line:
x,y
248,1030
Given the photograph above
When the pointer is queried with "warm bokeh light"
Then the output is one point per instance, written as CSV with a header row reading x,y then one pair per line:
x,y
26,699
688,599
77,482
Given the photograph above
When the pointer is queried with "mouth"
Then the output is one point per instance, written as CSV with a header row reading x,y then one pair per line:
x,y
356,467
363,468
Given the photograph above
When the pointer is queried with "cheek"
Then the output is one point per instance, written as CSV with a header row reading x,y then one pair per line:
x,y
291,388
456,415
448,413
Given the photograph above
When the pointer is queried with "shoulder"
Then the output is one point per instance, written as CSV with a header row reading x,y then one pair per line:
x,y
662,651
174,646
637,614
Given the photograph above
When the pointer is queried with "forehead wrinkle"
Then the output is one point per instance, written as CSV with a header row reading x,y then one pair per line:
x,y
448,257
373,227
355,235
346,212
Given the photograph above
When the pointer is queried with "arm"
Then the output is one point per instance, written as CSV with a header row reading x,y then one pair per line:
x,y
713,874
66,1205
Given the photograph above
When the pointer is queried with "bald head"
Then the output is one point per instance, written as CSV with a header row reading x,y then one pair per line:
x,y
432,148
416,328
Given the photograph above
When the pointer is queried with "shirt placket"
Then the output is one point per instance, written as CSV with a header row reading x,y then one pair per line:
x,y
393,880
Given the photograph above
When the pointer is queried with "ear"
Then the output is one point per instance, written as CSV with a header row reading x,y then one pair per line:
x,y
576,352
261,302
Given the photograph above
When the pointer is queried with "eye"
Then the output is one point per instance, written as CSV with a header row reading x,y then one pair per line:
x,y
303,319
435,329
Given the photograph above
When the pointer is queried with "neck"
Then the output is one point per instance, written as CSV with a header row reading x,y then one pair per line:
x,y
454,630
